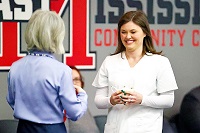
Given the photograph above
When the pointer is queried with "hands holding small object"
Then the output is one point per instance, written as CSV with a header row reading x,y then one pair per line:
x,y
126,97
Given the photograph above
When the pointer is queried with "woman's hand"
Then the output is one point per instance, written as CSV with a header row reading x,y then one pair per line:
x,y
126,97
132,97
78,89
116,98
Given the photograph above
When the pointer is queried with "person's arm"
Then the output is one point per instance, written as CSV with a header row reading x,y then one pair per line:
x,y
10,96
75,105
164,100
102,100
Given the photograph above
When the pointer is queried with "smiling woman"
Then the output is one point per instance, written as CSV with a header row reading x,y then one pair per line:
x,y
132,38
136,82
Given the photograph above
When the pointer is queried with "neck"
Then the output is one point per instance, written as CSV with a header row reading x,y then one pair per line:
x,y
133,55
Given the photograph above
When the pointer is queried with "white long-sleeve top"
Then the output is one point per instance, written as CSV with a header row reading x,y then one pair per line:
x,y
164,100
152,77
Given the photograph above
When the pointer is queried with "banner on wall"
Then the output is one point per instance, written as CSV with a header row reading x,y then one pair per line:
x,y
92,26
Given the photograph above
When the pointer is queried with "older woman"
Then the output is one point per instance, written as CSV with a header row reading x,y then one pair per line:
x,y
39,86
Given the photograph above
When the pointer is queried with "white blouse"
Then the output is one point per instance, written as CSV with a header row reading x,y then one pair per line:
x,y
152,77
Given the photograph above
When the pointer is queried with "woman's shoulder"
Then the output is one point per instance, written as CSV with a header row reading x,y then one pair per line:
x,y
114,57
157,60
156,57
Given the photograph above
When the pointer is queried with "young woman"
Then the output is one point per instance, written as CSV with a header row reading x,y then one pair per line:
x,y
135,83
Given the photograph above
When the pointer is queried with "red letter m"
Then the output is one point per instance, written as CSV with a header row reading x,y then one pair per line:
x,y
78,54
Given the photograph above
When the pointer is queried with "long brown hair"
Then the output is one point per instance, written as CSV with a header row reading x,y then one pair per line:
x,y
139,18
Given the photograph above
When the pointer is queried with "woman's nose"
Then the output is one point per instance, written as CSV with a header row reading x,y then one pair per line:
x,y
128,35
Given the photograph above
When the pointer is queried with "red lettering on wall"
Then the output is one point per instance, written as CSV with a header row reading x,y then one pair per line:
x,y
165,35
9,44
107,37
57,5
171,34
181,35
79,44
97,34
79,40
195,35
156,37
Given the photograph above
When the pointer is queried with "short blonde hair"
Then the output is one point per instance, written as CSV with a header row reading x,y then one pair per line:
x,y
45,31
